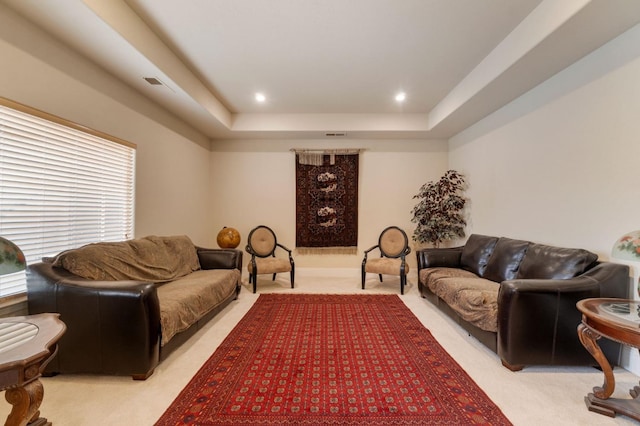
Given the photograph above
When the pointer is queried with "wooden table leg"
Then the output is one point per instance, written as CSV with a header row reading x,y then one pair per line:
x,y
599,401
588,338
25,401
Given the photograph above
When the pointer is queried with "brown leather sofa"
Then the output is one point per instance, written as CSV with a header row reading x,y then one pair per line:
x,y
115,326
519,298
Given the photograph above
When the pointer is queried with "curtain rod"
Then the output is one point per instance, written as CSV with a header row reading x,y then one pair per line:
x,y
328,151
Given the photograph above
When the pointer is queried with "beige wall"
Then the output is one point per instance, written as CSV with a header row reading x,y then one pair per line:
x,y
184,188
253,183
559,165
172,175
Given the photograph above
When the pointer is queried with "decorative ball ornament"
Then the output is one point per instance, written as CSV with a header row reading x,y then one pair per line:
x,y
228,238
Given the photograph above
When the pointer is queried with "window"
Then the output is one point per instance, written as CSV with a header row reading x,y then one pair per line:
x,y
61,186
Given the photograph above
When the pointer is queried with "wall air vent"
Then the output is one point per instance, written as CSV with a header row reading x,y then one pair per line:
x,y
335,134
153,81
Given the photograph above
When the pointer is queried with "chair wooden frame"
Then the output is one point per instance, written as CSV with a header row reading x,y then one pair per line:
x,y
266,248
401,254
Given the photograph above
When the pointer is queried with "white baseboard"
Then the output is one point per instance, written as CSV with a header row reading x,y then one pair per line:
x,y
329,272
631,360
324,272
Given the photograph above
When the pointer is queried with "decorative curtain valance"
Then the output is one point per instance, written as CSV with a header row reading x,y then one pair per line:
x,y
327,201
316,157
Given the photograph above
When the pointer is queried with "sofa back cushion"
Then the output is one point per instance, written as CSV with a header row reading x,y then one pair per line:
x,y
476,253
505,259
153,259
547,262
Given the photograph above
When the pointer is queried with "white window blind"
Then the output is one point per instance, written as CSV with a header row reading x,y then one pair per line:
x,y
60,188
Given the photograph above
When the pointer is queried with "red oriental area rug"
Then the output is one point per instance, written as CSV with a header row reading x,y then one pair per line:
x,y
304,359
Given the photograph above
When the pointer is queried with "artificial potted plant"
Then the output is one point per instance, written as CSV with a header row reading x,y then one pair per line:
x,y
439,214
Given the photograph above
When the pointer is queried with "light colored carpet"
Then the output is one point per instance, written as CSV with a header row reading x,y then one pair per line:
x,y
533,396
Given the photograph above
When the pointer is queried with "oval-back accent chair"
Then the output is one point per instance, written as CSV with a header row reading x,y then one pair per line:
x,y
393,245
262,244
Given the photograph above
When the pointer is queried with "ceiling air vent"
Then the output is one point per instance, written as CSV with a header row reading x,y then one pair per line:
x,y
153,81
335,134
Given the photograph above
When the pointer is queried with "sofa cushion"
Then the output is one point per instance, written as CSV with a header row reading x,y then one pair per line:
x,y
476,253
152,259
187,299
547,262
431,276
505,259
474,299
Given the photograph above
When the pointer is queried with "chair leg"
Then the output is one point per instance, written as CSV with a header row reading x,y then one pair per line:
x,y
292,276
274,277
255,282
364,275
403,280
380,275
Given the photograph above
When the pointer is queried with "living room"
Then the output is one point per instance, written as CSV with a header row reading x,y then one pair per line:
x,y
554,165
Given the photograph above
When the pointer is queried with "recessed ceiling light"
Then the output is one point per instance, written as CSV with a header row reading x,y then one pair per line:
x,y
401,96
260,97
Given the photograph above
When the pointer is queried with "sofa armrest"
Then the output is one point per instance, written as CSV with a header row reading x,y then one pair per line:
x,y
211,258
605,279
538,318
439,257
113,327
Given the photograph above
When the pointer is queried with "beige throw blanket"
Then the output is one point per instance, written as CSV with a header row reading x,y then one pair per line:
x,y
188,299
152,259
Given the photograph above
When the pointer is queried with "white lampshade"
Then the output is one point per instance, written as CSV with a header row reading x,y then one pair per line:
x,y
11,257
627,247
626,250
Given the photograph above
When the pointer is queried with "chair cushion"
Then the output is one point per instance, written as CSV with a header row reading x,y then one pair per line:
x,y
547,262
393,242
385,266
476,253
262,241
270,265
505,259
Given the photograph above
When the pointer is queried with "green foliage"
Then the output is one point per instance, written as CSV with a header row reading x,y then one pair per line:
x,y
439,213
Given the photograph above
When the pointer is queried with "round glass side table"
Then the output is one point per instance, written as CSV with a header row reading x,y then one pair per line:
x,y
617,320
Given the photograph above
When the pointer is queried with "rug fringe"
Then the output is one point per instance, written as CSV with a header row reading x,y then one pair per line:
x,y
327,250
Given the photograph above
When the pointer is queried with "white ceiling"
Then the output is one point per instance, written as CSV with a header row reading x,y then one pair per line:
x,y
332,65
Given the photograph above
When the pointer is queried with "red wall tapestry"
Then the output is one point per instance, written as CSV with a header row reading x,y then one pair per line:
x,y
327,203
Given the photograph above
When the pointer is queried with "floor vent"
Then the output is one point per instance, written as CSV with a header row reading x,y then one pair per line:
x,y
335,134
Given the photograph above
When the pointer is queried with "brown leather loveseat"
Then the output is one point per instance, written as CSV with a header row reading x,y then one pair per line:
x,y
128,304
519,298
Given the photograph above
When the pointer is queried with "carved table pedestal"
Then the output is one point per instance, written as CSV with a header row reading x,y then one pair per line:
x,y
618,320
27,344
